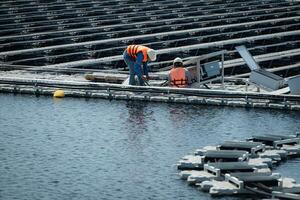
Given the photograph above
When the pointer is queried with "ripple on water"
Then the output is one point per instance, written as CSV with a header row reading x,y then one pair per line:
x,y
98,149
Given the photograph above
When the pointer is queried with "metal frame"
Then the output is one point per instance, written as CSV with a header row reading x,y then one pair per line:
x,y
198,59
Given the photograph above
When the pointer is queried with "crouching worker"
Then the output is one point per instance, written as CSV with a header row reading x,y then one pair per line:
x,y
178,75
136,58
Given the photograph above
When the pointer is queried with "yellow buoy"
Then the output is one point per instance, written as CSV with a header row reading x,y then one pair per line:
x,y
59,93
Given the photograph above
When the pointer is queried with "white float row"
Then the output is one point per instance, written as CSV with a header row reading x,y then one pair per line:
x,y
243,167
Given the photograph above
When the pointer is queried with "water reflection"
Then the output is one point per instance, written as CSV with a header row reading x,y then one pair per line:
x,y
185,114
136,119
177,113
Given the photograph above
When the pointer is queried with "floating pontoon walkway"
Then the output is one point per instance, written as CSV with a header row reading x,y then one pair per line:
x,y
250,174
150,93
49,45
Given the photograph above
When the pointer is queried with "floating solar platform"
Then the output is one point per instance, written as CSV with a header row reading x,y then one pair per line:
x,y
251,147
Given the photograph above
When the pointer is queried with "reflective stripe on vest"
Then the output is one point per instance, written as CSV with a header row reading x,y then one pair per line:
x,y
132,50
178,78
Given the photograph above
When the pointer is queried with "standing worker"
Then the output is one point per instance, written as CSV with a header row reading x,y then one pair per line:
x,y
179,76
136,58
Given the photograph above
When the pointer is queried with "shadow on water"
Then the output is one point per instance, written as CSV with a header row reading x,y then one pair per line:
x,y
136,116
137,120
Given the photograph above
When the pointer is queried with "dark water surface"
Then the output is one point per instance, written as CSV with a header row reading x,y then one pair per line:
x,y
97,149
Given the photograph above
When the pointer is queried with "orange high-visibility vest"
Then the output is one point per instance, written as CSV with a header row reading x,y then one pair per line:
x,y
178,78
132,50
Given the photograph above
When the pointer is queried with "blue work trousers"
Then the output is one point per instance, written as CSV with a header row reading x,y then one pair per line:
x,y
133,70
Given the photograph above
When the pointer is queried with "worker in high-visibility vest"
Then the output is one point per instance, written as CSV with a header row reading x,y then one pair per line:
x,y
178,75
137,58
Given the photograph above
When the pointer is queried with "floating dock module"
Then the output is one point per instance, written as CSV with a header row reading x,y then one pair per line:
x,y
275,141
225,156
191,162
257,181
185,174
261,163
252,183
200,176
202,151
292,150
243,183
217,171
251,147
220,169
275,154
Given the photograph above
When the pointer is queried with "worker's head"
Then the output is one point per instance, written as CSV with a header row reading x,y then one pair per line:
x,y
151,54
177,62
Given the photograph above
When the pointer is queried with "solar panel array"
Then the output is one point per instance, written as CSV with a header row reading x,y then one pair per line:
x,y
93,34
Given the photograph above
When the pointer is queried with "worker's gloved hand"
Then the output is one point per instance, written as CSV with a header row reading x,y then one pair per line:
x,y
145,78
